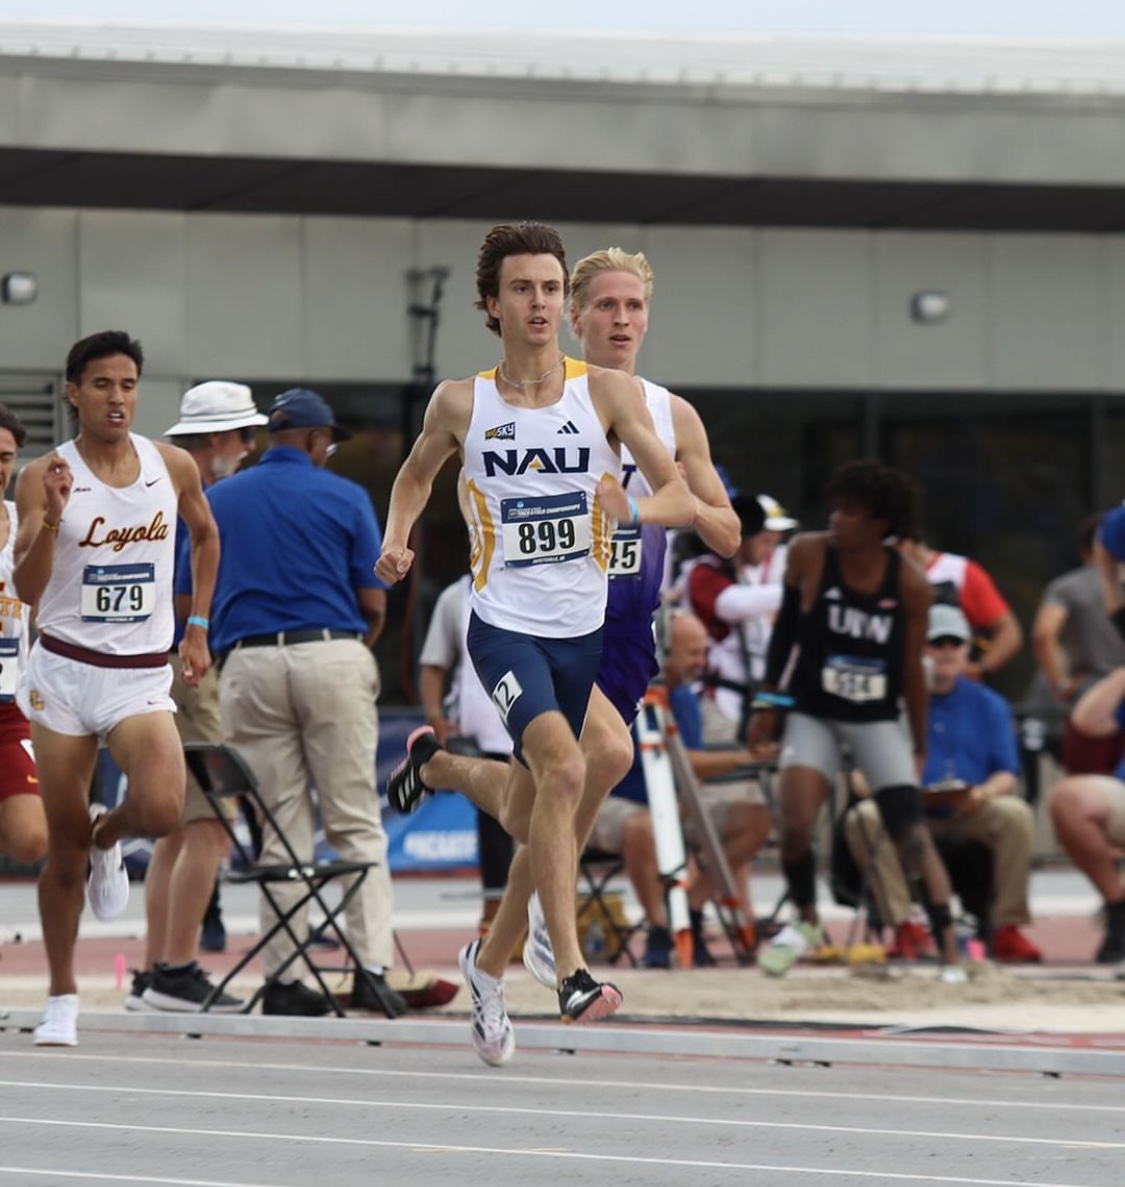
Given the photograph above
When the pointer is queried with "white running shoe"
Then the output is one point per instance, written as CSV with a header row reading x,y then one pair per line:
x,y
538,955
491,1028
954,974
107,887
59,1025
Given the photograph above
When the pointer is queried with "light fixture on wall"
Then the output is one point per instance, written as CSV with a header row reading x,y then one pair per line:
x,y
930,306
19,288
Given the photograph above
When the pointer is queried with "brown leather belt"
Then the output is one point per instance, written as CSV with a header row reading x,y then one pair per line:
x,y
99,659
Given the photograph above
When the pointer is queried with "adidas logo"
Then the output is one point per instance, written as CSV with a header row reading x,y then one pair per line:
x,y
570,428
833,594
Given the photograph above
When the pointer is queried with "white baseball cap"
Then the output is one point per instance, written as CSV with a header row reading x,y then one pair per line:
x,y
215,407
948,622
777,519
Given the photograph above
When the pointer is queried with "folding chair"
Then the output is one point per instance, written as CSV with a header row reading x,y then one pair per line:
x,y
597,868
222,774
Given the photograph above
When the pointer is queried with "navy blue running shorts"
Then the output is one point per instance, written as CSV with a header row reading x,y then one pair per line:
x,y
526,676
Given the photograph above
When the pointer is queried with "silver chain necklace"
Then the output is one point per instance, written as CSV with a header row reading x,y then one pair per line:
x,y
528,382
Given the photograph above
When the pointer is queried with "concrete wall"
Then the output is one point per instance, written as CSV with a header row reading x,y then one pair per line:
x,y
326,299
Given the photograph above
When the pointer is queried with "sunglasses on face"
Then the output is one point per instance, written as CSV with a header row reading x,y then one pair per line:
x,y
943,641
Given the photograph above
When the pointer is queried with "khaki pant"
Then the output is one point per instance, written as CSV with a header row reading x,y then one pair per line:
x,y
1006,825
304,717
198,720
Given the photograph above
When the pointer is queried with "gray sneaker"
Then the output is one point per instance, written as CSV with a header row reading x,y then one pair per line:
x,y
184,991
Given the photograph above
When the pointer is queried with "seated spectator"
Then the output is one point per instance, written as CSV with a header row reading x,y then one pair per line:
x,y
971,743
737,811
1075,644
959,581
1088,812
736,600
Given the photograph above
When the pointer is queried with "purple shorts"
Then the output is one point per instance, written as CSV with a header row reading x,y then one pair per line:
x,y
627,666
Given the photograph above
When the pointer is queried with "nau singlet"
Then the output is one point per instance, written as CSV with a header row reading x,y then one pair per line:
x,y
540,539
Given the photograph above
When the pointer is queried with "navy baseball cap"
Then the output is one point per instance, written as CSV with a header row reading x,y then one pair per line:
x,y
751,514
1111,533
302,408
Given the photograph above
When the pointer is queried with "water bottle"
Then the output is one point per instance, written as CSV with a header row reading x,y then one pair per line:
x,y
595,939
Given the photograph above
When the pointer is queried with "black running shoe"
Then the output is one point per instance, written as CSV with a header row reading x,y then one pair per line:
x,y
186,991
141,981
405,788
370,991
295,999
582,999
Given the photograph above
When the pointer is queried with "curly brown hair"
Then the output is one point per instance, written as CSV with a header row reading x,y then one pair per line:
x,y
514,239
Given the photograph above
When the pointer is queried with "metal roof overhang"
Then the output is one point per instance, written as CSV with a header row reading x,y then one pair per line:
x,y
111,123
31,177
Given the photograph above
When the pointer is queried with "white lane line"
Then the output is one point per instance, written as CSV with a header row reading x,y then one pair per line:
x,y
575,1114
496,1079
113,1178
570,1155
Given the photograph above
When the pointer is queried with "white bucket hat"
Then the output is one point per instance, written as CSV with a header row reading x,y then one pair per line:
x,y
215,407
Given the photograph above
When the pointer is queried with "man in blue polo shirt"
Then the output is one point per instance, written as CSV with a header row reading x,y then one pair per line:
x,y
297,609
1109,556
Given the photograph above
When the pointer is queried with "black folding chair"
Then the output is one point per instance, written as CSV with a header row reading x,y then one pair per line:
x,y
222,774
597,868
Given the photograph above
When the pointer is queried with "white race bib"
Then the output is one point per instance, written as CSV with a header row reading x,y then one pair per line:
x,y
854,679
118,593
545,530
9,668
625,552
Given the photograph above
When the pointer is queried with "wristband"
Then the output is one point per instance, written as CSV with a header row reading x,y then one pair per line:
x,y
51,527
772,700
197,620
634,512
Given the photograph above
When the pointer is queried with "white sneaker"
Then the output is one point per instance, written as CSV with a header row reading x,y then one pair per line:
x,y
107,887
954,974
491,1028
788,946
538,955
59,1025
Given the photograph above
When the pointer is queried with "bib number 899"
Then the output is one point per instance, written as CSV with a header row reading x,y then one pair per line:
x,y
546,536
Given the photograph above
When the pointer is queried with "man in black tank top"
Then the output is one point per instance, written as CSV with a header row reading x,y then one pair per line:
x,y
856,613
850,664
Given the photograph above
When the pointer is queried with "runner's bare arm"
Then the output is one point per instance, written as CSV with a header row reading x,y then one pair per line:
x,y
42,491
715,521
443,433
623,411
